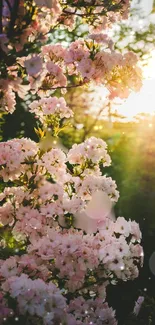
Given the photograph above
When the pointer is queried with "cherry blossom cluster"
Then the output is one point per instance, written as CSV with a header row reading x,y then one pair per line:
x,y
94,312
35,297
23,22
50,109
86,61
89,150
75,257
55,66
13,154
73,183
97,13
68,243
31,14
46,302
5,312
8,89
79,257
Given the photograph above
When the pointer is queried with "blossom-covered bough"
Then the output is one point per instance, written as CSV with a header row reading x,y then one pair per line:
x,y
70,254
46,68
56,206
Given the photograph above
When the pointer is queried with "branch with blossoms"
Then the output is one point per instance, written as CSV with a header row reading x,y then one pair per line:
x,y
24,22
62,68
25,18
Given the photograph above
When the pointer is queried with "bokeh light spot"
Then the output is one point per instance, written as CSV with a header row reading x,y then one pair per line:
x,y
152,263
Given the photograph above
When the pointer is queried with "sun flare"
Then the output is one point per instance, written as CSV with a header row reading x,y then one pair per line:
x,y
149,68
144,100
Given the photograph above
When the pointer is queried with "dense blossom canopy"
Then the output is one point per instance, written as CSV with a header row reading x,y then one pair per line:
x,y
56,206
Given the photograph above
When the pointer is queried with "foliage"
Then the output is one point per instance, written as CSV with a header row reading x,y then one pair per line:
x,y
137,33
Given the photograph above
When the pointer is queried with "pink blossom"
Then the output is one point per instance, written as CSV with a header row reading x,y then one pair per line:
x,y
33,65
138,305
46,107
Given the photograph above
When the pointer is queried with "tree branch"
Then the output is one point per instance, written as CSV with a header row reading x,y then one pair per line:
x,y
14,15
1,7
86,131
63,87
9,6
85,15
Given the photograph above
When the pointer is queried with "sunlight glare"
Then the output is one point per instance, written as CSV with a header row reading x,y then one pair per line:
x,y
144,100
149,68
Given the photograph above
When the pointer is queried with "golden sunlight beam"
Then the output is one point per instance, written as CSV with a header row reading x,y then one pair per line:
x,y
144,100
